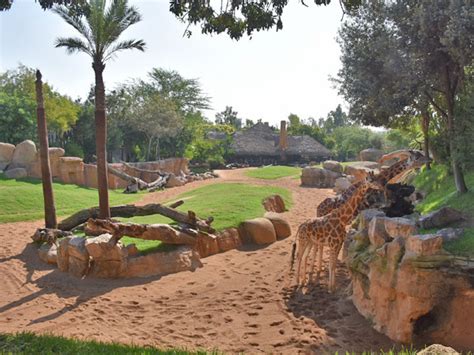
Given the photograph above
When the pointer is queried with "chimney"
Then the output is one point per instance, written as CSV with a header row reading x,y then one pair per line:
x,y
283,144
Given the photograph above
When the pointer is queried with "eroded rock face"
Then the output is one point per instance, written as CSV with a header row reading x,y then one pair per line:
x,y
16,173
48,253
259,231
6,153
207,245
409,287
333,165
174,181
183,258
370,154
281,225
228,239
318,177
274,203
108,259
24,155
78,256
440,218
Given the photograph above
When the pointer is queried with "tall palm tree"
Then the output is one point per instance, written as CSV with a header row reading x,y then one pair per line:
x,y
100,27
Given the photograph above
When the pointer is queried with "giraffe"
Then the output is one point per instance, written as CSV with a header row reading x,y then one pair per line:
x,y
410,159
328,230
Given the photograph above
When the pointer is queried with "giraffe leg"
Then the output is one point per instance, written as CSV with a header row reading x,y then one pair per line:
x,y
332,270
300,253
305,262
320,262
312,262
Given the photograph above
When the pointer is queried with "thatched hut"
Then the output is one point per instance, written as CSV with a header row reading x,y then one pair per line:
x,y
261,145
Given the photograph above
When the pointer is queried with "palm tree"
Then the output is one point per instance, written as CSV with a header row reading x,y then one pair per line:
x,y
100,27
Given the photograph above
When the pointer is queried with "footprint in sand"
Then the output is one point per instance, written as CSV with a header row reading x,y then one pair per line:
x,y
252,314
276,323
228,319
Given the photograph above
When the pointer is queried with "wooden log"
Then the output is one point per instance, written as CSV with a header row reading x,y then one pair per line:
x,y
142,185
128,211
48,235
138,170
162,232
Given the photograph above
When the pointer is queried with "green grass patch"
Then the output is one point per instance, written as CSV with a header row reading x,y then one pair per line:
x,y
228,203
273,172
29,343
22,199
441,190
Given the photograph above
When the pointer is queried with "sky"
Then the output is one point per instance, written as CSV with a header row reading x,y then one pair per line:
x,y
268,76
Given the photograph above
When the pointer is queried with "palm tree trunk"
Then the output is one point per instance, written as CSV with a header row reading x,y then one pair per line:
x,y
46,176
101,141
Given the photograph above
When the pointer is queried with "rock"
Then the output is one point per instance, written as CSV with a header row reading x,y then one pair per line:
x,y
48,253
282,227
400,227
132,250
24,155
6,153
365,216
207,245
184,258
71,170
259,231
437,349
78,256
395,250
16,173
341,184
108,260
333,166
318,177
63,254
370,154
440,218
361,239
359,169
449,234
228,239
174,181
377,233
274,203
424,245
3,166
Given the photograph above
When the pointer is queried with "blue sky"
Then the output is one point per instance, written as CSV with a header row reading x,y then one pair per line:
x,y
269,76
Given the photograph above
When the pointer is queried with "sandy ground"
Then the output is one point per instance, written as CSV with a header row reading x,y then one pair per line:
x,y
240,301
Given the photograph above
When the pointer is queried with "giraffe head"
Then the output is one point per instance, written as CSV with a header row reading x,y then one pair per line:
x,y
417,159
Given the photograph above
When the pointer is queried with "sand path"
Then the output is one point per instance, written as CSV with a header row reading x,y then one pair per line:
x,y
240,301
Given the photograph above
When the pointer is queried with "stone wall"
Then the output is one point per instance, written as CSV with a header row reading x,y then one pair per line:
x,y
408,285
24,161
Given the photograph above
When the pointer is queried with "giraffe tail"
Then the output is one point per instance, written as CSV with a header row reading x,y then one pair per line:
x,y
293,249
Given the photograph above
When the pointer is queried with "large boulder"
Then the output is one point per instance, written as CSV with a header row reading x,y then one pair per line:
x,y
370,154
318,177
359,169
440,218
282,227
48,253
184,258
78,256
365,216
24,155
174,181
16,173
6,154
108,259
207,245
259,231
228,239
450,234
437,349
333,165
55,153
423,245
274,203
400,227
63,254
341,184
378,236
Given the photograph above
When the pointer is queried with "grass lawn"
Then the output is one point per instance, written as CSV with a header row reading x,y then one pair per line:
x,y
22,200
273,172
29,343
441,192
228,203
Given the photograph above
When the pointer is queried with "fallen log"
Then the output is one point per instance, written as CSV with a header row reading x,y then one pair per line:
x,y
162,232
128,211
142,185
138,170
48,235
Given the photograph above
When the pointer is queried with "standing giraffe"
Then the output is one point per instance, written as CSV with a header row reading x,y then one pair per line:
x,y
408,160
328,230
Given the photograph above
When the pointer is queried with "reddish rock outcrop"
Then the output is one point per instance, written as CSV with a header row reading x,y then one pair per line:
x,y
259,231
274,203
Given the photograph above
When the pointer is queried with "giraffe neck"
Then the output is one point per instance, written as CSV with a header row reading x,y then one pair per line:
x,y
392,171
347,211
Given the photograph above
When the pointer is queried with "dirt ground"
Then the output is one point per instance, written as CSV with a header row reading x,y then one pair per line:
x,y
240,301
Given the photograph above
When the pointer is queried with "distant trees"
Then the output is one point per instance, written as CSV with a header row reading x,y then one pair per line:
x,y
18,107
406,58
229,117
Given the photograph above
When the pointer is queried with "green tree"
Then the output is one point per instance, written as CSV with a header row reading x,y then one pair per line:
x,y
18,107
408,57
336,118
229,117
100,28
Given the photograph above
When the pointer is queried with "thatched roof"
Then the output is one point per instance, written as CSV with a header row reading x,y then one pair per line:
x,y
261,140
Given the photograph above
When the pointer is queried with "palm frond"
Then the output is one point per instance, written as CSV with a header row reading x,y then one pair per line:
x,y
128,44
73,45
75,21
